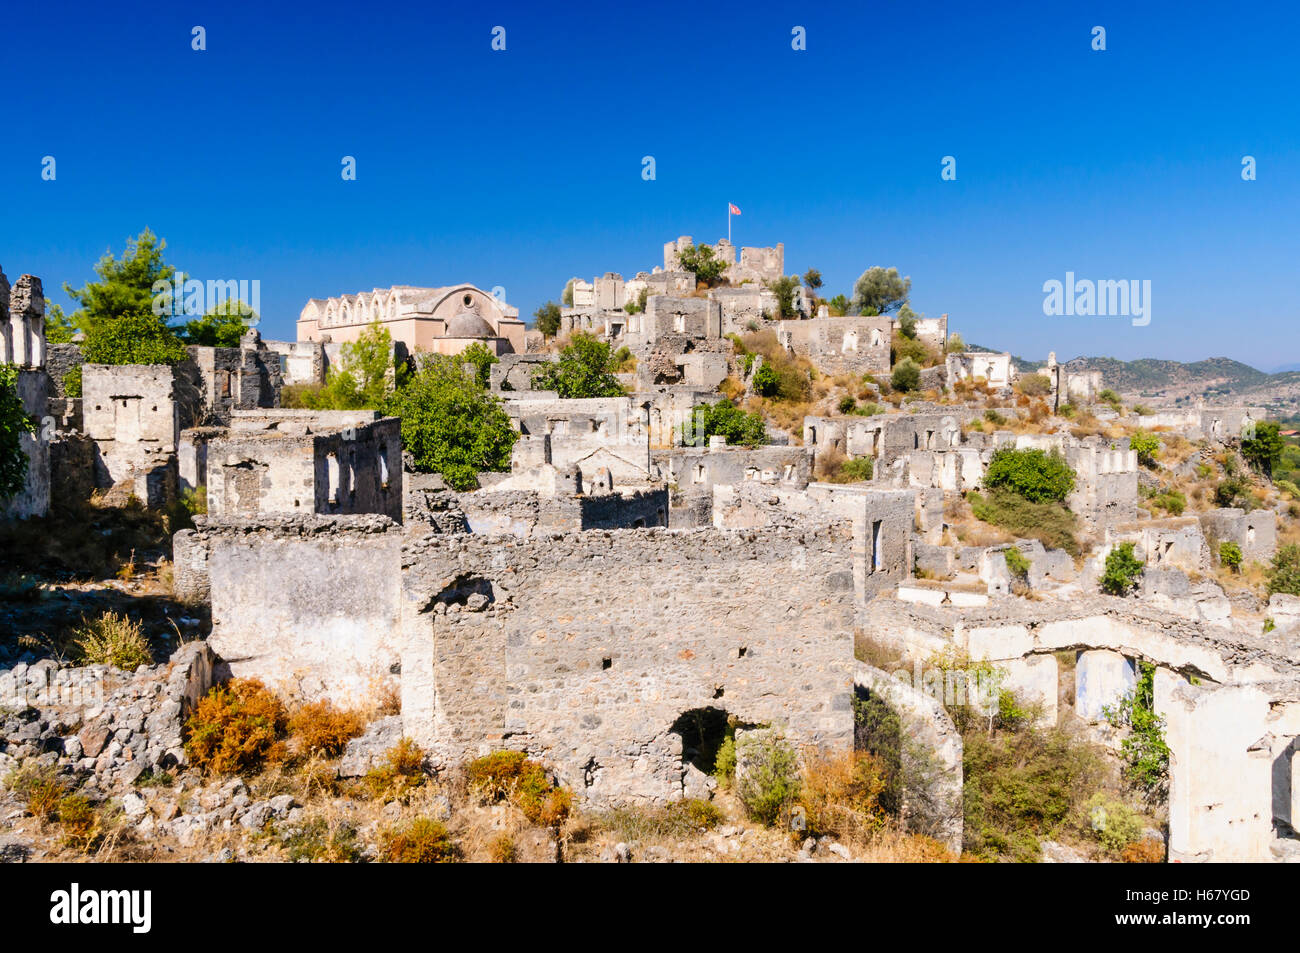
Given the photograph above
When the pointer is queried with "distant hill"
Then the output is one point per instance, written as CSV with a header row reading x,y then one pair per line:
x,y
1216,379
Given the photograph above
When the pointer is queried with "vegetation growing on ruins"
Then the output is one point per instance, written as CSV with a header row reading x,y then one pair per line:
x,y
1035,475
1146,445
512,777
139,338
1230,555
1144,750
1121,571
364,380
906,376
125,286
1284,575
113,639
482,359
724,419
584,368
547,317
702,263
14,422
236,728
1263,449
451,425
224,325
785,289
769,784
418,841
880,291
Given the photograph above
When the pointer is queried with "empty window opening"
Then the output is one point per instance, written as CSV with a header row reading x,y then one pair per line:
x,y
877,545
702,730
606,662
742,652
717,692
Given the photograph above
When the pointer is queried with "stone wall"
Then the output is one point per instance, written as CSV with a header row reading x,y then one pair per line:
x,y
587,649
309,605
33,499
853,345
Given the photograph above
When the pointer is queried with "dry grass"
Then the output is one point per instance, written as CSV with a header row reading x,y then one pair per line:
x,y
115,640
237,728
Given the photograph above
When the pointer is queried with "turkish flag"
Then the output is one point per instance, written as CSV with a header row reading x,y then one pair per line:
x,y
732,209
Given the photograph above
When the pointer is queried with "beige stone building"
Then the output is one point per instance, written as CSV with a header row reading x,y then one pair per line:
x,y
421,320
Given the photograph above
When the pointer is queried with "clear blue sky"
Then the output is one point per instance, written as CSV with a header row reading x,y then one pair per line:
x,y
523,168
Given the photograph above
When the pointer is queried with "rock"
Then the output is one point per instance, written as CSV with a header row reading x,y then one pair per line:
x,y
365,752
131,771
256,817
281,805
809,845
72,748
839,850
133,805
92,739
622,853
1056,853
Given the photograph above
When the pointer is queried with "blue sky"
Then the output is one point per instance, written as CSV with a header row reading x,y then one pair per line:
x,y
522,168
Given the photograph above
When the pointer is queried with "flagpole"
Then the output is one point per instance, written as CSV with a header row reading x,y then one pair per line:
x,y
728,223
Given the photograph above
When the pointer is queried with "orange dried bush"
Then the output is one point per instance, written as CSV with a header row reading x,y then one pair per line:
x,y
236,728
420,841
320,728
511,776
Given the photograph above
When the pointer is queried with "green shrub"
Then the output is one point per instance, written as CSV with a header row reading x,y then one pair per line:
x,y
1017,565
847,404
14,424
1230,555
1035,475
858,469
398,775
115,640
317,840
72,382
1284,573
132,339
725,419
995,418
1035,385
1114,823
1023,786
1050,523
1171,501
724,763
906,376
766,381
1146,445
1121,571
769,780
1144,750
584,368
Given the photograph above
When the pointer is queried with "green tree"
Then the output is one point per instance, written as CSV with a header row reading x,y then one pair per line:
x,y
1146,445
140,338
702,263
784,288
1034,475
724,419
1121,571
126,286
1284,574
1263,450
907,322
812,280
1145,751
365,377
880,290
956,344
906,376
548,317
224,325
59,329
482,359
14,422
584,369
839,305
451,425
567,297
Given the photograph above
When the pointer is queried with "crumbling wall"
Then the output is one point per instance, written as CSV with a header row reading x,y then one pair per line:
x,y
586,649
307,604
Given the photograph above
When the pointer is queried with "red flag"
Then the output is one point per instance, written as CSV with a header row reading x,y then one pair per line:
x,y
732,209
